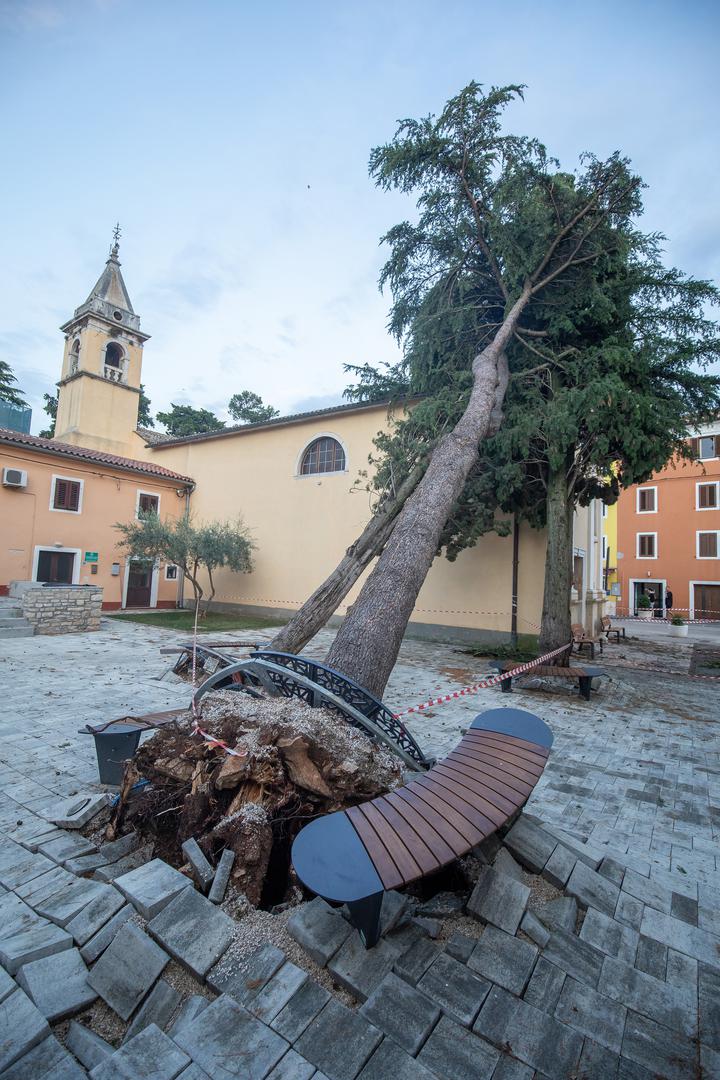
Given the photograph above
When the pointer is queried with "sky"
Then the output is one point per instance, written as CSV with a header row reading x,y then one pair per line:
x,y
231,141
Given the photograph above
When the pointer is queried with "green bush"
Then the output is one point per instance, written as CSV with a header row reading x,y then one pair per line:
x,y
644,602
677,621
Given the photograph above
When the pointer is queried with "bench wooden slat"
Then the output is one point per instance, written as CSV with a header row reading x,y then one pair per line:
x,y
379,855
457,820
456,796
422,827
518,757
418,848
486,756
407,866
481,765
491,816
504,803
455,840
513,746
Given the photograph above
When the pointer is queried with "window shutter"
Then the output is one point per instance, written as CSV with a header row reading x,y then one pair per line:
x,y
60,494
707,546
717,446
73,495
695,446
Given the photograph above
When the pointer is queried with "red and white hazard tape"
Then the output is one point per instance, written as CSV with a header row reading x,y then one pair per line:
x,y
212,741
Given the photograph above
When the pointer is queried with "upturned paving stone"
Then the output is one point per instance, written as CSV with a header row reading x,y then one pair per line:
x,y
455,989
669,1005
88,1047
609,936
360,970
546,983
151,1055
413,964
227,1042
151,887
157,1008
530,844
194,931
7,984
575,957
319,929
201,868
119,867
100,941
529,1034
505,960
49,1060
390,1060
592,889
402,1012
498,899
33,943
76,812
430,927
95,914
612,870
647,890
69,846
454,1053
244,981
222,876
629,910
127,970
505,864
559,866
22,1026
651,957
592,1014
57,984
560,914
392,909
276,993
681,936
588,853
187,1012
534,929
658,1049
338,1041
459,946
303,1007
445,904
292,1067
69,900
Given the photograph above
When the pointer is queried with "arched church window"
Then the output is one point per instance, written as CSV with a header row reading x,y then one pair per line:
x,y
324,455
75,356
114,362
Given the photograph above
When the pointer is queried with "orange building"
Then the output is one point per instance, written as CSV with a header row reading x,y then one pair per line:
x,y
669,535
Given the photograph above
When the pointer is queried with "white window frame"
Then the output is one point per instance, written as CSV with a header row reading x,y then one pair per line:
x,y
707,483
646,487
51,547
691,601
176,568
60,509
710,457
645,558
704,532
604,549
318,476
141,491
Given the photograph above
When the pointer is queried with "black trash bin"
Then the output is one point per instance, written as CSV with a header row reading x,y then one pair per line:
x,y
113,746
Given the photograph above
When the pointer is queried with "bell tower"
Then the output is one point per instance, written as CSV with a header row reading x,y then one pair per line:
x,y
99,388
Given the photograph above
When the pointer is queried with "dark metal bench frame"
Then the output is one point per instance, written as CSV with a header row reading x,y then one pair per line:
x,y
585,679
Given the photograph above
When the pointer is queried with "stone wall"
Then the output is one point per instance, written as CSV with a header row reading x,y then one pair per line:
x,y
62,609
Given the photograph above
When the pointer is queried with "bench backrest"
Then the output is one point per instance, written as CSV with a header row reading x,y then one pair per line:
x,y
578,631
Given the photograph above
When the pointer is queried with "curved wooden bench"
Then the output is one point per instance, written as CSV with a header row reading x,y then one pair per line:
x,y
354,855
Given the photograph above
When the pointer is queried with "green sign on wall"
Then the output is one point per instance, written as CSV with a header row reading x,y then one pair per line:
x,y
91,556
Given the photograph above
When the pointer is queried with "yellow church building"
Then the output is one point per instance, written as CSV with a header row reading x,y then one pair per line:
x,y
290,479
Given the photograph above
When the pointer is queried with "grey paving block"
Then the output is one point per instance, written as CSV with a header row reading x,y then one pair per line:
x,y
560,914
498,899
222,876
25,867
530,844
592,889
411,965
338,1041
201,868
96,914
709,1011
505,960
33,943
546,983
629,910
69,846
592,1014
276,993
390,1060
190,1008
303,1007
244,980
575,957
86,1045
612,870
685,908
127,970
455,989
454,1053
227,1042
559,866
611,937
359,969
70,900
445,904
430,927
134,861
38,889
194,1072
534,929
681,970
108,854
599,1063
15,915
658,1049
49,1060
320,929
150,1055
194,931
100,941
7,984
151,887
588,853
536,1038
402,1012
459,946
157,1008
647,890
681,936
392,909
511,1069
292,1067
669,1005
22,1026
651,957
57,984
76,812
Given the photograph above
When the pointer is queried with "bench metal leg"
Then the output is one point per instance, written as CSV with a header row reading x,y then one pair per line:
x,y
365,917
585,684
506,685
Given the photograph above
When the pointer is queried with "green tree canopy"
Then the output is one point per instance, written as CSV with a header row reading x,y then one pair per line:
x,y
248,408
144,415
50,407
182,420
8,386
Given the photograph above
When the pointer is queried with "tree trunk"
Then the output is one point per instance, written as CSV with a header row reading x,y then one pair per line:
x,y
555,630
318,608
368,642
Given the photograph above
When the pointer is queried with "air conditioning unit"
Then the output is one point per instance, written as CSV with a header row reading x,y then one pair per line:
x,y
16,478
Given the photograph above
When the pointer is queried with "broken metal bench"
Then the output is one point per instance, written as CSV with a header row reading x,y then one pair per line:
x,y
354,855
584,674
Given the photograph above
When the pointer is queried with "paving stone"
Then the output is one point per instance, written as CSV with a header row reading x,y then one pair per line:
x,y
546,983
202,870
592,1014
685,908
303,1007
612,870
511,1069
651,957
430,927
7,984
49,1060
194,931
57,984
453,1053
531,844
402,1012
133,861
598,1063
69,846
222,876
151,887
560,914
609,936
668,1005
158,1008
190,1008
227,1042
86,1045
40,888
592,889
390,1060
100,941
70,900
33,943
411,965
16,915
24,868
658,1049
392,909
575,957
629,910
95,914
127,970
559,866
319,929
76,812
590,854
338,1041
505,864
359,969
292,1067
709,1007
681,936
647,890
445,904
681,970
457,991
459,946
498,899
150,1055
244,981
276,993
22,1026
505,960
194,1072
534,1037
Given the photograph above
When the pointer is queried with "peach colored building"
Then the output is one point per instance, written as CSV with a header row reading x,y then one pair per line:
x,y
669,534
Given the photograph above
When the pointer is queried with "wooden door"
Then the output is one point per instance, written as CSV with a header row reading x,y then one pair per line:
x,y
56,567
139,584
706,601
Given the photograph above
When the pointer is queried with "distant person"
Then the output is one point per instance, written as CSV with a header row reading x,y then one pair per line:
x,y
668,602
